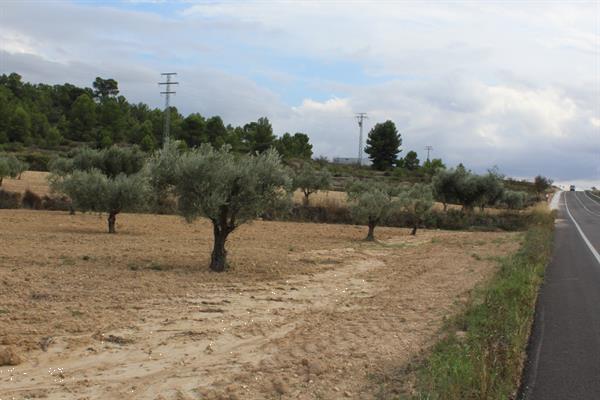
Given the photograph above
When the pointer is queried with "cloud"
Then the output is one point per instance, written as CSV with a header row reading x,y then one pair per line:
x,y
334,105
507,84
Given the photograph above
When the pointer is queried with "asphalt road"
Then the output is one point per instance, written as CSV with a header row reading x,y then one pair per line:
x,y
564,349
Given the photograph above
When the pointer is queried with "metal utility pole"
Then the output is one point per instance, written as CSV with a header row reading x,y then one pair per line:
x,y
168,92
360,117
428,148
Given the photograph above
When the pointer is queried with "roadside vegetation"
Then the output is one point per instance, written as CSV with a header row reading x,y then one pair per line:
x,y
482,352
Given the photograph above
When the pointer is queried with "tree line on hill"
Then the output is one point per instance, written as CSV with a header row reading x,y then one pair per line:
x,y
48,116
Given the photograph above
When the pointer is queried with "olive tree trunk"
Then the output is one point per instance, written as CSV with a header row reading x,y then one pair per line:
x,y
305,199
218,259
222,227
112,219
371,234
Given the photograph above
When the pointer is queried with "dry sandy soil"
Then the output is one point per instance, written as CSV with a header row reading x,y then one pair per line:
x,y
33,180
308,311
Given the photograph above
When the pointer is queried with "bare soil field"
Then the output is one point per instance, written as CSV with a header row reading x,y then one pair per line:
x,y
307,311
34,181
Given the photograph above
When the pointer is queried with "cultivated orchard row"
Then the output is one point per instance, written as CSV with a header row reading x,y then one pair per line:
x,y
231,189
227,188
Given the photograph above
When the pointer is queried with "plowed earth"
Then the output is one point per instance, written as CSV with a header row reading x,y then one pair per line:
x,y
306,311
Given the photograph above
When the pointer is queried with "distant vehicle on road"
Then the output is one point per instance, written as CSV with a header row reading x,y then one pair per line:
x,y
572,188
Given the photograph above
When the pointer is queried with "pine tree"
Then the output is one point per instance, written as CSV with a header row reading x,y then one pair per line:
x,y
383,145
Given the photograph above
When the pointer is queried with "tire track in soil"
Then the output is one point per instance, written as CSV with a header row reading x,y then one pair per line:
x,y
314,335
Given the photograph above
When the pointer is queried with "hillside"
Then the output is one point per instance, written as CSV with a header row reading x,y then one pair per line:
x,y
37,120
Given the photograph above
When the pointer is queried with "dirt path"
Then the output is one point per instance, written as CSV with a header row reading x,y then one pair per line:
x,y
346,314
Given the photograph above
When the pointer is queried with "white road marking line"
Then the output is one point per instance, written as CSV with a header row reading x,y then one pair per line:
x,y
590,193
586,209
585,239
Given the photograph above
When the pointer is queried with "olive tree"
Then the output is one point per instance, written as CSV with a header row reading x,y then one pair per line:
x,y
4,169
227,188
109,180
445,185
471,191
514,200
161,171
371,204
111,161
310,180
417,201
94,191
11,166
60,166
541,184
490,189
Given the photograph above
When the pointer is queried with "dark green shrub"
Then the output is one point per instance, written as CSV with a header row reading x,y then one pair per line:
x,y
450,220
37,161
31,200
9,200
62,203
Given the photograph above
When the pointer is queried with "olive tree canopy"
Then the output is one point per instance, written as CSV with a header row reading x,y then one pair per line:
x,y
417,201
541,184
109,180
310,180
11,166
227,188
94,191
445,185
514,200
371,204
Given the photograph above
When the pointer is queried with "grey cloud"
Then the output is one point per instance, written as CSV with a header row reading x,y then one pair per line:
x,y
473,80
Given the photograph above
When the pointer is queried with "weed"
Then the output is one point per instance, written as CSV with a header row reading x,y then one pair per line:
x,y
31,200
77,313
9,199
67,261
158,267
486,362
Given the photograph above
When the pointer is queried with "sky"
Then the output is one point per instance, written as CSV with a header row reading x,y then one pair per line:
x,y
511,84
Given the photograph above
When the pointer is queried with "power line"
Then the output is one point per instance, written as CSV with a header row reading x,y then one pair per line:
x,y
168,92
360,118
428,148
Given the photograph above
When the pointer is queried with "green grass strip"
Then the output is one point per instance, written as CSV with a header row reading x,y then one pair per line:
x,y
485,361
